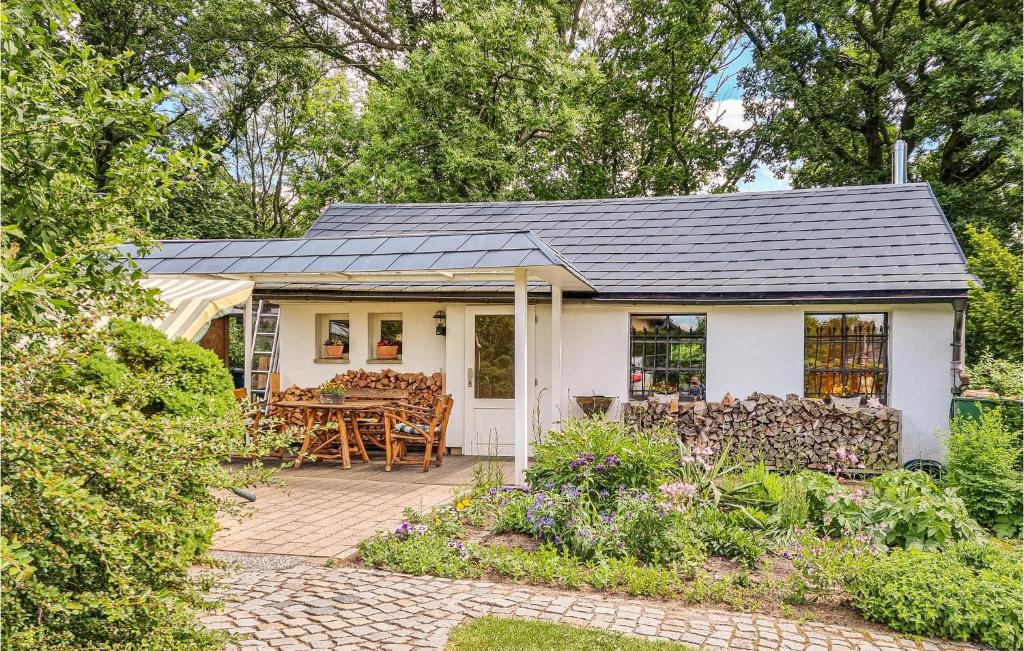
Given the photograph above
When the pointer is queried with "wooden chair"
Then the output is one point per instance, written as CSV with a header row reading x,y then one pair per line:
x,y
370,424
407,424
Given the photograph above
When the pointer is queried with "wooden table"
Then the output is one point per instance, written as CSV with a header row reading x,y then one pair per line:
x,y
314,410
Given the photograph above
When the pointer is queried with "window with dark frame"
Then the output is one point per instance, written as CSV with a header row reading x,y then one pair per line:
x,y
846,354
665,351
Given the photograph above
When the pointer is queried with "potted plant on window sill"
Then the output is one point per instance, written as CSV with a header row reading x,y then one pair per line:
x,y
334,348
387,349
843,396
332,392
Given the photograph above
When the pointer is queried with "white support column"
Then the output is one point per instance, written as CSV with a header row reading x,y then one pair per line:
x,y
247,330
557,399
522,387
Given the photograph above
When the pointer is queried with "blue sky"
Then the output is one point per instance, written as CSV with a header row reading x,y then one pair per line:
x,y
731,95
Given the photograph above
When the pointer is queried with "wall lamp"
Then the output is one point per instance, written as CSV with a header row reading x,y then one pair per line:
x,y
439,321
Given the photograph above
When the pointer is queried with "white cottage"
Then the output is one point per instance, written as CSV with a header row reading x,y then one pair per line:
x,y
525,306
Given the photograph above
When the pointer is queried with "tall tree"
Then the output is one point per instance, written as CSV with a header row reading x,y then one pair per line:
x,y
833,84
659,131
482,113
65,209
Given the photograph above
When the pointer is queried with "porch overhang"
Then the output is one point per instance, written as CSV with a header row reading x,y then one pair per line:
x,y
490,257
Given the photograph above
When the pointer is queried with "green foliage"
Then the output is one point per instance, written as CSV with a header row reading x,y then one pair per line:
x,y
545,566
157,375
483,113
598,454
417,554
106,506
82,166
981,466
994,326
832,85
626,575
499,634
657,129
512,515
1004,376
724,534
908,510
963,593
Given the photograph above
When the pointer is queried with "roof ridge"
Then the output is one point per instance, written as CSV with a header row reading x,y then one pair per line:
x,y
700,196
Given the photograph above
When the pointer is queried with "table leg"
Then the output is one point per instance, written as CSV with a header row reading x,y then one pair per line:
x,y
346,462
359,439
307,438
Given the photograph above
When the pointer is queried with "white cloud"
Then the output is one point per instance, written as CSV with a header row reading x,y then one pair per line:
x,y
728,113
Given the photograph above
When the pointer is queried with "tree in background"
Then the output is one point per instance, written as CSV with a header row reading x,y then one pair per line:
x,y
994,324
482,113
833,84
657,130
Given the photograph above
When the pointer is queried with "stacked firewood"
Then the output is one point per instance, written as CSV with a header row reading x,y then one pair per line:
x,y
422,388
790,432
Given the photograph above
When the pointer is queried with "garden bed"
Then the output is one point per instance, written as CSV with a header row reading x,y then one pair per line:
x,y
610,511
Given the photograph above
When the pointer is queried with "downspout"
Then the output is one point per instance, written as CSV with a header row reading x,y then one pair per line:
x,y
957,367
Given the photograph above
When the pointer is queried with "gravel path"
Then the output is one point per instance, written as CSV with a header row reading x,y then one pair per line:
x,y
285,604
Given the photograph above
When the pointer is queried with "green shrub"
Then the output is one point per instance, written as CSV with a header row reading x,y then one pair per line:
x,y
545,565
724,535
626,575
106,507
512,514
901,509
654,534
1005,377
981,466
906,509
427,553
943,594
598,455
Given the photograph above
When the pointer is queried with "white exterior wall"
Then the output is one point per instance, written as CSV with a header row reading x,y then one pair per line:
x,y
749,348
422,350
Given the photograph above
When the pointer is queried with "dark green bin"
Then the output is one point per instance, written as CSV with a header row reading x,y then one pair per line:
x,y
1013,410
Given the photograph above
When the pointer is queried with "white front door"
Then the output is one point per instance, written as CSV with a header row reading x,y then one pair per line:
x,y
490,379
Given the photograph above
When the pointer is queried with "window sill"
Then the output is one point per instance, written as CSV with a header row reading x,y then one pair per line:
x,y
390,360
331,360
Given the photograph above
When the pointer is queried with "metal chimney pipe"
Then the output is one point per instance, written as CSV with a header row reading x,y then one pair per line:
x,y
899,162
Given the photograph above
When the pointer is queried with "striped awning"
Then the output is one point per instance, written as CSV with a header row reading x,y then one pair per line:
x,y
194,302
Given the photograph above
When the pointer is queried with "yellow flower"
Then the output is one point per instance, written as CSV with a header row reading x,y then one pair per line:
x,y
462,505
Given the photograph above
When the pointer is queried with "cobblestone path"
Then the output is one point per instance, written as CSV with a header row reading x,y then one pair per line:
x,y
315,607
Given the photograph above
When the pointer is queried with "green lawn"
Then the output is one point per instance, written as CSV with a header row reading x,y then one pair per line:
x,y
500,634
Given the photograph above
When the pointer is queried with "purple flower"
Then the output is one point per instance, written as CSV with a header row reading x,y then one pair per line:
x,y
600,468
582,459
570,491
405,530
612,460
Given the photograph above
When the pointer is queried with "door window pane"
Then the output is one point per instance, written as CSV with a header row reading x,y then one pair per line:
x,y
494,364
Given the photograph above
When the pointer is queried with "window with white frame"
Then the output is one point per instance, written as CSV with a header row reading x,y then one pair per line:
x,y
386,336
332,337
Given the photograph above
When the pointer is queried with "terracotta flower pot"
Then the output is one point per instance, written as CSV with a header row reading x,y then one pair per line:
x,y
387,352
331,350
332,398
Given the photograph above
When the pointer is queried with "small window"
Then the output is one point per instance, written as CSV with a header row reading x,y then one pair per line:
x,y
332,337
846,355
667,354
385,336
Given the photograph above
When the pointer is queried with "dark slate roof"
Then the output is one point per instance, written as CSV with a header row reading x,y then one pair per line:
x,y
859,241
354,254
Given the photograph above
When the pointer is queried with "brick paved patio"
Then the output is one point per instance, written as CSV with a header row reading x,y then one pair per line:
x,y
315,607
325,510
